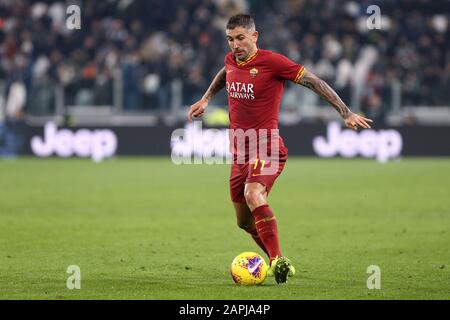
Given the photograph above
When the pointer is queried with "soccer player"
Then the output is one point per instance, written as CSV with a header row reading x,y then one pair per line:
x,y
254,79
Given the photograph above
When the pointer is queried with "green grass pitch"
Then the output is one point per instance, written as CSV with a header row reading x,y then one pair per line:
x,y
144,228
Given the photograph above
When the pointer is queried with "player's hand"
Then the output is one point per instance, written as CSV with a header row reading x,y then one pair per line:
x,y
197,109
355,121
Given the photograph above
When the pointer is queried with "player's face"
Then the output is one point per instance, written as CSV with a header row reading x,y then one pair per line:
x,y
242,42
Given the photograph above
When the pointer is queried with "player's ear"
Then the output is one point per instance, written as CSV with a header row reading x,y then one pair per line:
x,y
255,36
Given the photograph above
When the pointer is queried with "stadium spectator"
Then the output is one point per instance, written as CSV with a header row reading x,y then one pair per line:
x,y
154,43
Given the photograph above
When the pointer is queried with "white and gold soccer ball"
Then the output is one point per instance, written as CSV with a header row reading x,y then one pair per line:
x,y
249,269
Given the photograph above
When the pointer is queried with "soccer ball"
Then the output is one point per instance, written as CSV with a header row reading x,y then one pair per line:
x,y
249,269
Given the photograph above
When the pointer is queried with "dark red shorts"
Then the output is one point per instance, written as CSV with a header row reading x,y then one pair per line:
x,y
254,171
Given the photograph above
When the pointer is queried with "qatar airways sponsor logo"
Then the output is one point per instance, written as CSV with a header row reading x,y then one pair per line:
x,y
380,144
240,90
195,145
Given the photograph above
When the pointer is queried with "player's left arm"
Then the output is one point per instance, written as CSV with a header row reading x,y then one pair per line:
x,y
313,82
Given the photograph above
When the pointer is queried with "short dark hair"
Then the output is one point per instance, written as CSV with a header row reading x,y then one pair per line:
x,y
241,20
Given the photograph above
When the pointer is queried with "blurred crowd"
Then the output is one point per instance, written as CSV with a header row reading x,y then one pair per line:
x,y
143,48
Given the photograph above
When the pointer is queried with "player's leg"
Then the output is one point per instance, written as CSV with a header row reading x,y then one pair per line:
x,y
246,222
244,216
266,225
256,198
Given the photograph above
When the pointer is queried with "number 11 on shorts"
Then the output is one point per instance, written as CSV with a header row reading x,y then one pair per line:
x,y
258,169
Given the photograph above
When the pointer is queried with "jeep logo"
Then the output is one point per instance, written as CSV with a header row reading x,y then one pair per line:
x,y
382,144
98,144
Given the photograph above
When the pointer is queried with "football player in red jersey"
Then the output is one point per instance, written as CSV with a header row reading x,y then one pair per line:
x,y
254,79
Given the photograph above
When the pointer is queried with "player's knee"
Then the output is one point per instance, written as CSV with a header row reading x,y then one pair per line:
x,y
253,198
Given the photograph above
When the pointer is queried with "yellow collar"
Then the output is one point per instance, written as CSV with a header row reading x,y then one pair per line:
x,y
241,63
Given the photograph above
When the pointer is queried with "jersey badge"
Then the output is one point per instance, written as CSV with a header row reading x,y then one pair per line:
x,y
254,72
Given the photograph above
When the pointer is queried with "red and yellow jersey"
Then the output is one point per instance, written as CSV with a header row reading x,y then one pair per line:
x,y
255,87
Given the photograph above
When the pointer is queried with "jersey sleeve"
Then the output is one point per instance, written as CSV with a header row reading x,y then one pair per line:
x,y
286,69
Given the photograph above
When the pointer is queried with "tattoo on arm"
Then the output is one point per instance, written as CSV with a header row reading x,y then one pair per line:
x,y
216,85
320,87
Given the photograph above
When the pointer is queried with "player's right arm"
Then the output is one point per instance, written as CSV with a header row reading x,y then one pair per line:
x,y
198,108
